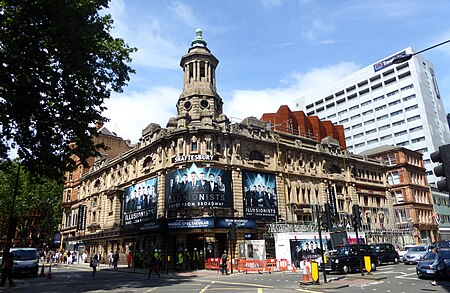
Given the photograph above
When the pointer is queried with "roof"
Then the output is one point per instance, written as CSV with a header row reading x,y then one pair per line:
x,y
379,149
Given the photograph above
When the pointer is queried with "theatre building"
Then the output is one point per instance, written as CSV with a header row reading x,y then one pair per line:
x,y
185,185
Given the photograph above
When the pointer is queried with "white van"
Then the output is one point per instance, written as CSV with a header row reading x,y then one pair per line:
x,y
26,260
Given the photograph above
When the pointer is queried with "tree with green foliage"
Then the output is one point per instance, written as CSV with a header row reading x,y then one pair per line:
x,y
58,64
37,205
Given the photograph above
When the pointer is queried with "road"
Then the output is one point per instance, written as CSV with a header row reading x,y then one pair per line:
x,y
390,278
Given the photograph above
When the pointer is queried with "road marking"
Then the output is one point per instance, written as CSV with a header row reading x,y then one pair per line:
x,y
205,288
309,291
244,284
152,289
405,276
260,290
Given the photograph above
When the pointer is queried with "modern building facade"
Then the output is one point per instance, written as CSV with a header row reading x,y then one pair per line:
x,y
441,203
386,104
187,185
414,220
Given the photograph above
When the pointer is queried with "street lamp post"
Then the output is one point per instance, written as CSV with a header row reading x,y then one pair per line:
x,y
406,57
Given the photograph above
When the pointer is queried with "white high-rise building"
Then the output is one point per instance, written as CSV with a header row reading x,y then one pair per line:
x,y
386,104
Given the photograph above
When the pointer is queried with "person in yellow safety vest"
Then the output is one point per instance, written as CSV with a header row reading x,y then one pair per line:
x,y
160,259
180,260
156,256
187,260
195,258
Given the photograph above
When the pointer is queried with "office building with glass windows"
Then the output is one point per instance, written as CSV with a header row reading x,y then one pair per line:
x,y
386,104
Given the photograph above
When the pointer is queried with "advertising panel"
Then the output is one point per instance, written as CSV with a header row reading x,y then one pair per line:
x,y
259,191
196,187
140,202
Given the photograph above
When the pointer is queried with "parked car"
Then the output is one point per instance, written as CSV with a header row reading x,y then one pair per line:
x,y
415,254
385,253
26,260
426,268
345,258
442,244
404,250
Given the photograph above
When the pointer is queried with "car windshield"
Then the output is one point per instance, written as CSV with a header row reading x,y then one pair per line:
x,y
444,254
430,255
341,251
417,248
24,254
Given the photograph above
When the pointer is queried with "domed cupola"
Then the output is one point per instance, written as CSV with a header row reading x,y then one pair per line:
x,y
199,103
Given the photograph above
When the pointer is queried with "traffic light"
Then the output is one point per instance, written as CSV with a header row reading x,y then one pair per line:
x,y
232,231
442,156
325,219
356,217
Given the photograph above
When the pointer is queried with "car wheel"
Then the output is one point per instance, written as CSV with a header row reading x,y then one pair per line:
x,y
345,269
419,275
374,267
395,260
378,262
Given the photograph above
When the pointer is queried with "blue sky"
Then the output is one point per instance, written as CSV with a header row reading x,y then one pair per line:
x,y
271,51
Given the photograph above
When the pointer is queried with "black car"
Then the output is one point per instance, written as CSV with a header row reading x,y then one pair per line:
x,y
385,253
429,268
345,258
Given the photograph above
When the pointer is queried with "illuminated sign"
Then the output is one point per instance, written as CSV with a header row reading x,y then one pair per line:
x,y
387,62
196,187
259,192
140,202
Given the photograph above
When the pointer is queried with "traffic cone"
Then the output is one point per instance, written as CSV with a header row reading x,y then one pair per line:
x,y
49,275
42,271
307,280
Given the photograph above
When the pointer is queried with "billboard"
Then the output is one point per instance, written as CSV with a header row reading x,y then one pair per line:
x,y
140,202
259,192
196,187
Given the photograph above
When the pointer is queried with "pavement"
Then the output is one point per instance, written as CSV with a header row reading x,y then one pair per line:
x,y
333,282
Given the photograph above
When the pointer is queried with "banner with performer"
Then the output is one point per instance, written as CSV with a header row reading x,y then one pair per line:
x,y
140,202
259,192
196,187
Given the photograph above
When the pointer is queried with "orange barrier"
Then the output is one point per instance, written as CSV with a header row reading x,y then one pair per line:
x,y
213,263
252,266
283,265
270,265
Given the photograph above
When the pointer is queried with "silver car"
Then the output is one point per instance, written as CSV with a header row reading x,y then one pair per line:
x,y
415,254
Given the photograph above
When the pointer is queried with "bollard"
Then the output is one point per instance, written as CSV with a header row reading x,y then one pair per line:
x,y
42,271
49,275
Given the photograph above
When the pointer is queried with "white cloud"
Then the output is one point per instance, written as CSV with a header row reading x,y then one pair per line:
x,y
245,103
129,114
184,13
270,3
317,27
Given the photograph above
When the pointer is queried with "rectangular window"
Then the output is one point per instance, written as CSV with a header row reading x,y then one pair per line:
x,y
380,108
378,98
417,117
400,133
399,196
403,143
360,145
386,137
330,105
414,129
407,87
372,141
357,126
358,135
396,113
346,128
351,97
343,121
411,108
392,93
419,139
365,103
319,102
340,101
383,117
398,123
394,103
320,109
342,112
309,106
355,116
409,98
331,116
354,107
371,131
384,127
369,122
367,112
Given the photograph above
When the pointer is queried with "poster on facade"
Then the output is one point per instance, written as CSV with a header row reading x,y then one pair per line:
x,y
306,248
196,187
259,192
140,202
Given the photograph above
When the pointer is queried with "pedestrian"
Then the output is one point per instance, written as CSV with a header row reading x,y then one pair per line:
x,y
116,259
224,263
438,265
195,258
187,260
180,260
129,258
7,269
153,267
93,264
111,258
84,256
